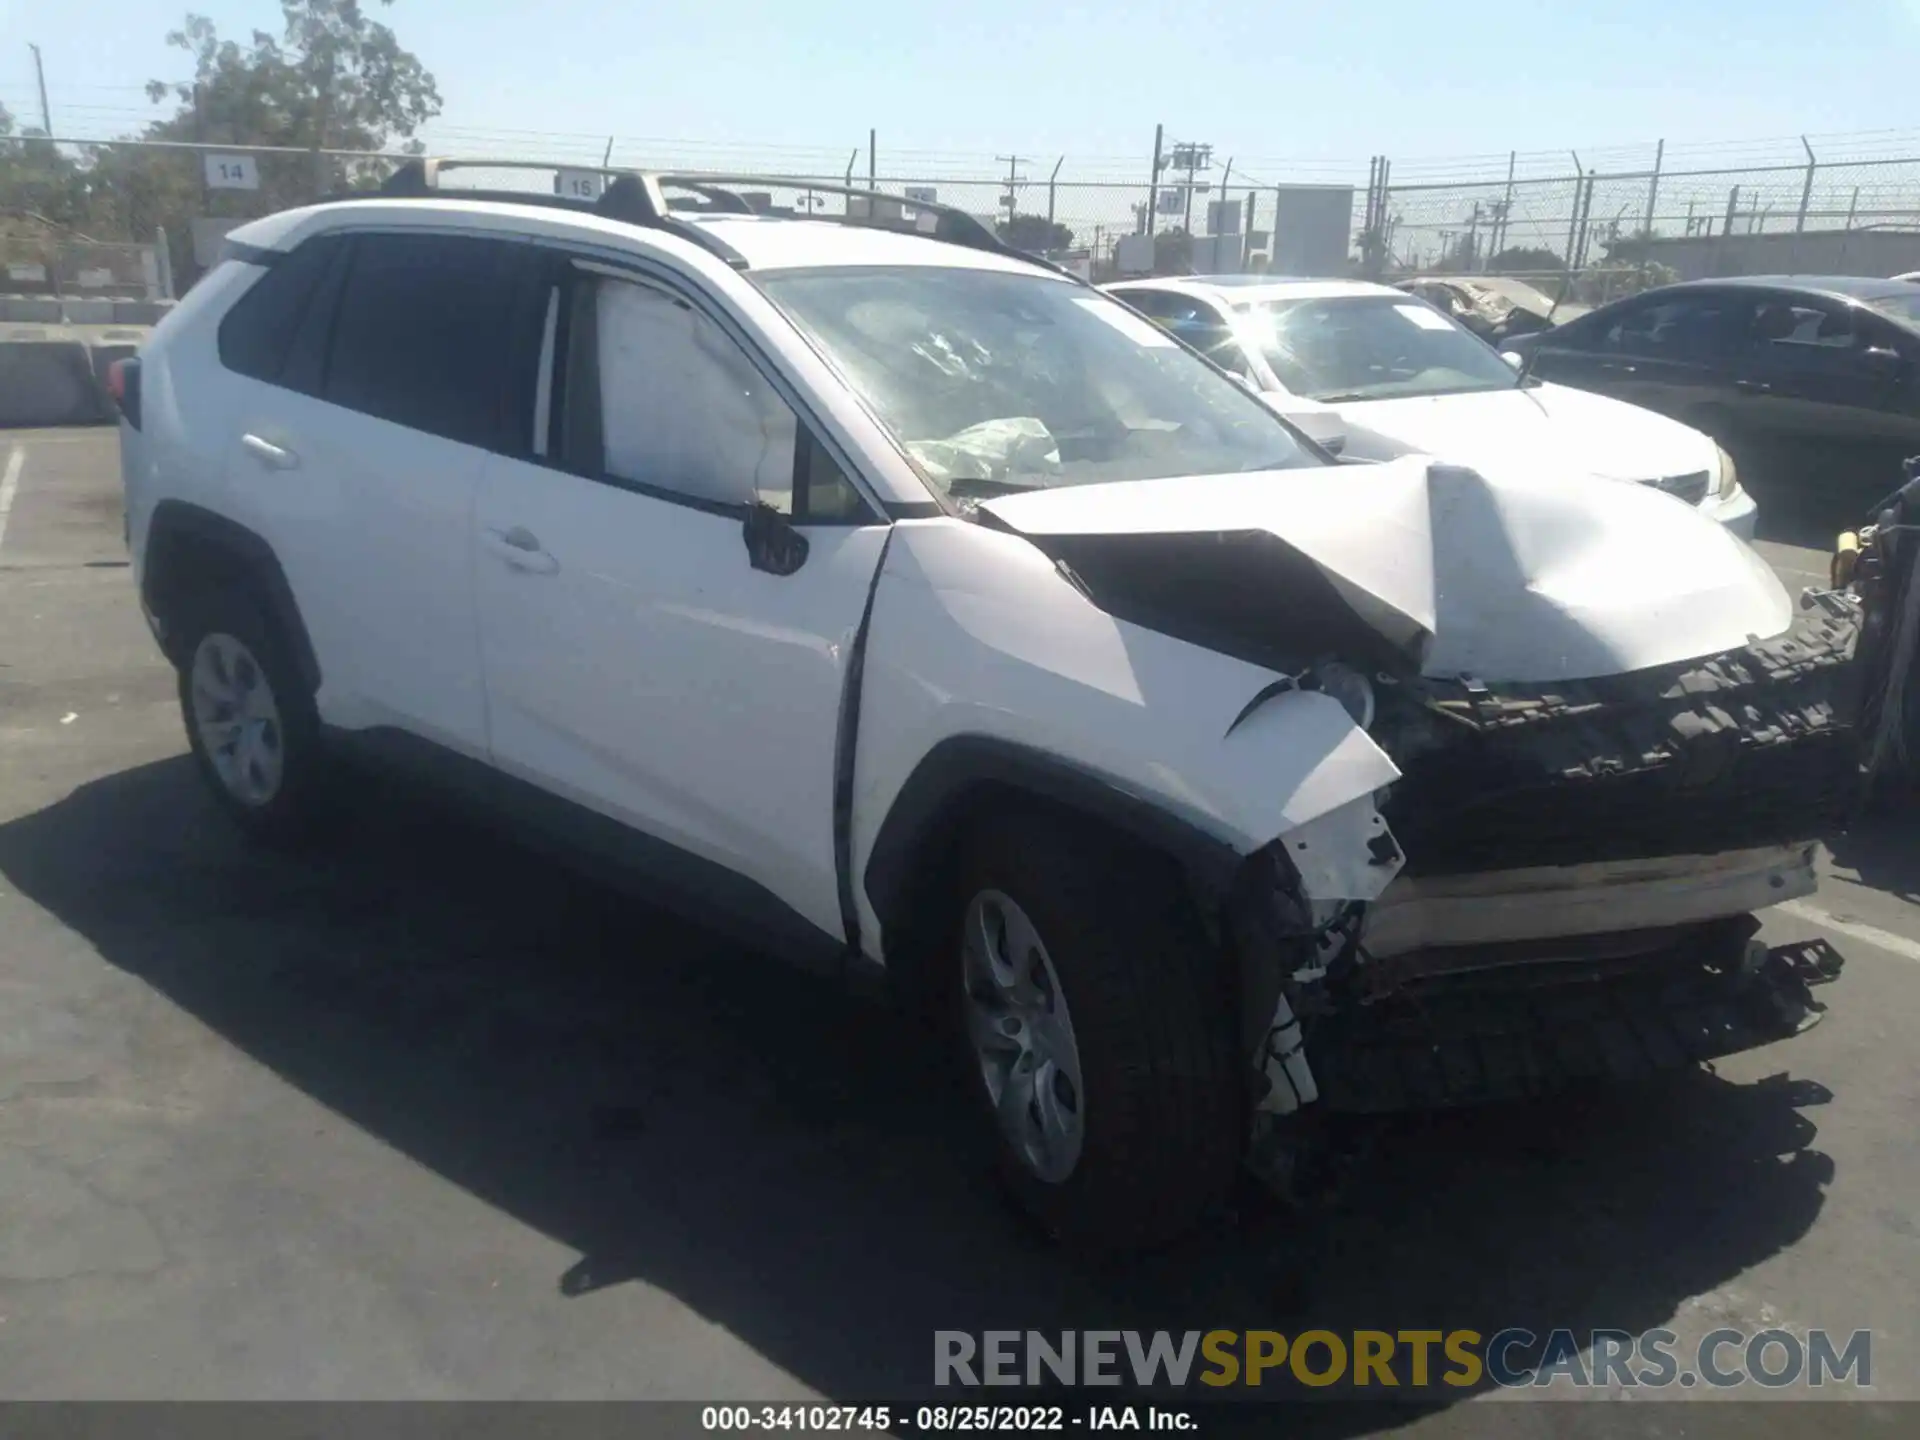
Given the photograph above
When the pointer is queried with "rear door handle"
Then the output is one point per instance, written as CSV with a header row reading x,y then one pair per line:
x,y
520,548
1753,387
272,456
1617,367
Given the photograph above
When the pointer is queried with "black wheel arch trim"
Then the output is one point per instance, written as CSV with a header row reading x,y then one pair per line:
x,y
962,763
179,522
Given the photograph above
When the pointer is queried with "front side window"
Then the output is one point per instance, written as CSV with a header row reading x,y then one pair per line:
x,y
1196,322
1684,327
1371,347
662,399
993,381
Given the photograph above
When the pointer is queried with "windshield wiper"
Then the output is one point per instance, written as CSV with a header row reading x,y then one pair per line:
x,y
1341,396
974,484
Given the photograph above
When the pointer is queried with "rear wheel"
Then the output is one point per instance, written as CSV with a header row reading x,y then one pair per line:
x,y
251,724
1096,1021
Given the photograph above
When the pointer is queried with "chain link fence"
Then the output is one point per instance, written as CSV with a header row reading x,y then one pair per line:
x,y
147,218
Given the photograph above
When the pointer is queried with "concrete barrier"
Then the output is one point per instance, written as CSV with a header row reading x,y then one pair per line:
x,y
88,311
47,378
29,310
140,312
57,374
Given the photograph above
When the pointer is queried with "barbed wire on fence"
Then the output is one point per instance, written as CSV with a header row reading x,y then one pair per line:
x,y
1533,211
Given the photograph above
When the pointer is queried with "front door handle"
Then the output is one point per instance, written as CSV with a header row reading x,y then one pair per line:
x,y
1753,387
272,456
1617,367
520,548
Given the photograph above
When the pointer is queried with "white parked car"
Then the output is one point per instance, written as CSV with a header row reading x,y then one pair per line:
x,y
921,614
1403,377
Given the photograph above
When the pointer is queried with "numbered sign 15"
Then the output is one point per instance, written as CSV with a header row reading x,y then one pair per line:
x,y
579,184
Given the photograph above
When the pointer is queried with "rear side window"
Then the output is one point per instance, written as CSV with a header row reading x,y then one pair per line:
x,y
258,335
421,335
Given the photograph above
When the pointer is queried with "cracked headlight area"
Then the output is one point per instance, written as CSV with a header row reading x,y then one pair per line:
x,y
1729,476
1352,689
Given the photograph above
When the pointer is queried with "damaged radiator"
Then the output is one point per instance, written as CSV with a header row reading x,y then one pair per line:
x,y
1752,747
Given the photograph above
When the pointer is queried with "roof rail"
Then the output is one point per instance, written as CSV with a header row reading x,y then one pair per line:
x,y
631,196
639,198
951,224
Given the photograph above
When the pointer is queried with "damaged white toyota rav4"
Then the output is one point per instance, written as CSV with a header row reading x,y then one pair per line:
x,y
915,610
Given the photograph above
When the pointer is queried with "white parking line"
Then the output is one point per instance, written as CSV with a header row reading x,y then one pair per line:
x,y
1872,934
9,483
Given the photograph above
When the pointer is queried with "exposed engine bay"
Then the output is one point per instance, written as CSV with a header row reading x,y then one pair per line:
x,y
1581,864
1616,735
1742,749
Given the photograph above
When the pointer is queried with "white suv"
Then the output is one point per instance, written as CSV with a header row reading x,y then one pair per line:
x,y
912,609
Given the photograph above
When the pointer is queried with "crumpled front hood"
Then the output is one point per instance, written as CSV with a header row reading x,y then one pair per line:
x,y
1499,573
1541,425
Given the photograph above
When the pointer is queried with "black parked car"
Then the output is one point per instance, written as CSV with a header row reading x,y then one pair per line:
x,y
1834,358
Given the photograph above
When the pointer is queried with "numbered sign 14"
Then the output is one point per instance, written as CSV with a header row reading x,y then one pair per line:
x,y
232,172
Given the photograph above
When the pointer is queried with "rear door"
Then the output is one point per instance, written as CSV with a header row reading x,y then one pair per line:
x,y
1813,366
358,451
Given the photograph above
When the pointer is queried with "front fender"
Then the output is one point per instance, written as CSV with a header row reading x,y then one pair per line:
x,y
983,659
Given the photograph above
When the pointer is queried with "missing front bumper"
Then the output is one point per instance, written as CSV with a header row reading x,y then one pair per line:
x,y
1518,1031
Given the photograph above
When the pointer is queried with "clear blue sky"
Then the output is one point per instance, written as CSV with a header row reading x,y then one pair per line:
x,y
1266,79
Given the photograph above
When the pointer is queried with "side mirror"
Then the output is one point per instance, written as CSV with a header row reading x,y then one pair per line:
x,y
1514,358
773,545
1883,360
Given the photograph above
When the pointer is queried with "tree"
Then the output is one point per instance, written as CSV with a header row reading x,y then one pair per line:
x,y
40,189
1035,233
1523,258
334,79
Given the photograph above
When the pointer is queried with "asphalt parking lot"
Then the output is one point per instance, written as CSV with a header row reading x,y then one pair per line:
x,y
430,1117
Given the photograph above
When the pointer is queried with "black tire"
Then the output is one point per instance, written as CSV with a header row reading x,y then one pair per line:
x,y
296,809
1152,1017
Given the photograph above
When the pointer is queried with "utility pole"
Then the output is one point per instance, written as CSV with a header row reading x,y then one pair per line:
x,y
1153,186
1192,159
40,73
873,162
1012,198
1052,181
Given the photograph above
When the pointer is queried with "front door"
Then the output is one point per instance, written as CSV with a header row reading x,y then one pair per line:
x,y
637,660
1671,352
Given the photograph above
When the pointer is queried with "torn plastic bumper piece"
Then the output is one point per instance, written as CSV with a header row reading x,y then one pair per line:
x,y
1511,1031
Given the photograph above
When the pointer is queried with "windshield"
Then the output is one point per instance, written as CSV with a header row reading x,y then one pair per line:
x,y
1904,308
1370,347
994,381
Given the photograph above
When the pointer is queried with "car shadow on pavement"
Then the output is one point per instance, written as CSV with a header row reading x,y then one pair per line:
x,y
1882,849
787,1162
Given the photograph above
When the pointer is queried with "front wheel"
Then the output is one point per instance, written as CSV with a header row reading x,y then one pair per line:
x,y
1096,1021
